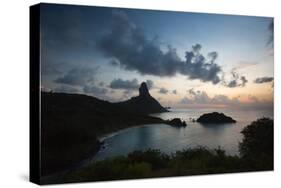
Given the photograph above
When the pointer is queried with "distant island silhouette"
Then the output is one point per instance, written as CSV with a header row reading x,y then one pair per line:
x,y
176,122
215,117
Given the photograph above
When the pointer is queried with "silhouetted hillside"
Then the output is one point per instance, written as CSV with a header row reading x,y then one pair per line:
x,y
144,103
71,124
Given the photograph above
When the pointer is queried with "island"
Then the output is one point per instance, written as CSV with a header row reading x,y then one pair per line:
x,y
215,118
176,122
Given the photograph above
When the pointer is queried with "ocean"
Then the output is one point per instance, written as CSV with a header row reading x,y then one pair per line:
x,y
170,139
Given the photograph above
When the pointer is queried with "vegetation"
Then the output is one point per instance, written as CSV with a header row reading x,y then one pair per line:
x,y
256,155
153,163
257,145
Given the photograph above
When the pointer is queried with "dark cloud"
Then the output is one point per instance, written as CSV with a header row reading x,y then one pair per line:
x,y
213,56
97,91
78,76
263,80
198,67
66,89
243,80
101,84
174,91
149,84
232,83
196,48
124,84
163,90
127,44
237,80
191,91
114,62
129,84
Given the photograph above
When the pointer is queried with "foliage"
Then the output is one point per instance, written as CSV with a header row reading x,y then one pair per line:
x,y
153,163
257,144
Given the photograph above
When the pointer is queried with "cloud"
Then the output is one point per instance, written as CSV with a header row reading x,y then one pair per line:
x,y
124,84
129,84
101,84
78,76
197,66
66,89
174,91
262,80
149,84
196,97
202,99
236,81
127,94
127,44
253,98
163,90
191,91
243,80
213,56
97,91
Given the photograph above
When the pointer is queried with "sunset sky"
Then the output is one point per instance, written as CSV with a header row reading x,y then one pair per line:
x,y
189,60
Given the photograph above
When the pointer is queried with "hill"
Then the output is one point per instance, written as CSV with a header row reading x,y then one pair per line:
x,y
144,103
71,123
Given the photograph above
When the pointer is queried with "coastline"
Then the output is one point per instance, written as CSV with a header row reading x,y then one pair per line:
x,y
57,176
97,144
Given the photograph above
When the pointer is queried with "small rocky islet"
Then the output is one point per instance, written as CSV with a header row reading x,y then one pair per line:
x,y
176,122
215,118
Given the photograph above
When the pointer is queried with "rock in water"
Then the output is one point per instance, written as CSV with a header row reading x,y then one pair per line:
x,y
176,122
215,117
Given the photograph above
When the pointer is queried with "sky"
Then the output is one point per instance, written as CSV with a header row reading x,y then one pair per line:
x,y
188,60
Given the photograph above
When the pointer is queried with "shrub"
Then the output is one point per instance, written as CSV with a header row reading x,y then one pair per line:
x,y
257,145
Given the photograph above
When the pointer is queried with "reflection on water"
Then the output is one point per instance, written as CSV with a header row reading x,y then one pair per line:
x,y
170,139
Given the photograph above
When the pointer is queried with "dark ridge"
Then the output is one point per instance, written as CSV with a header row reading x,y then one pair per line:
x,y
215,117
71,123
144,103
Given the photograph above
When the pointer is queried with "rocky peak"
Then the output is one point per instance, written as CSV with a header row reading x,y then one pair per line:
x,y
143,90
